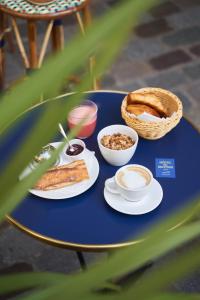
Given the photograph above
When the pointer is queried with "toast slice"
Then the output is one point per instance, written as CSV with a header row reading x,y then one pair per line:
x,y
63,176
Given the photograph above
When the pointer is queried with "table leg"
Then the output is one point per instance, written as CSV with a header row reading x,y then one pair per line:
x,y
81,260
32,38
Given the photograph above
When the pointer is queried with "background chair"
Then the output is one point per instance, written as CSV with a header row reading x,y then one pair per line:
x,y
52,14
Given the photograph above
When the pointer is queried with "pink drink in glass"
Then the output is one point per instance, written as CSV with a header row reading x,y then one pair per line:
x,y
88,111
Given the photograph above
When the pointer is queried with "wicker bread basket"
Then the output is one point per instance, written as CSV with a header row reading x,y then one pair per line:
x,y
150,129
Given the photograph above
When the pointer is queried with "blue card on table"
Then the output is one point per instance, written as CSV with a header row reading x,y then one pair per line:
x,y
165,167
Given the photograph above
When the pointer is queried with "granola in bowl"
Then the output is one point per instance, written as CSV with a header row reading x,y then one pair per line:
x,y
117,141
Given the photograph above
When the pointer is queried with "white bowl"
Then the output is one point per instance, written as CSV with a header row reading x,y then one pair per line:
x,y
79,156
117,157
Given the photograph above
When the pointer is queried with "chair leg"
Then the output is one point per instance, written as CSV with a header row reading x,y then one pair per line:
x,y
2,66
20,44
58,41
87,20
45,43
57,36
32,38
2,52
10,40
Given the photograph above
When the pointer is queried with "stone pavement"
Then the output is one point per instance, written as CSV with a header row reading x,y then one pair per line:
x,y
163,51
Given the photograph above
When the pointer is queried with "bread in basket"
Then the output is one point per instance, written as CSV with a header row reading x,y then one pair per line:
x,y
165,102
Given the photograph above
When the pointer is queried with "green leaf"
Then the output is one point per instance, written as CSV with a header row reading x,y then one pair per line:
x,y
158,279
94,278
105,38
69,61
157,243
10,283
19,189
56,112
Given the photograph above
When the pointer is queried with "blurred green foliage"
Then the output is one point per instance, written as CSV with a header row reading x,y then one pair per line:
x,y
104,38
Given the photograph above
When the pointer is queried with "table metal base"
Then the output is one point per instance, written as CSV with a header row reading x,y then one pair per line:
x,y
81,260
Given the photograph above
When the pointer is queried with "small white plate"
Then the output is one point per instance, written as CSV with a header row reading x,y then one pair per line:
x,y
75,189
145,205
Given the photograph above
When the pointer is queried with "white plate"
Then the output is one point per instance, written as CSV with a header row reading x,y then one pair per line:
x,y
145,205
75,189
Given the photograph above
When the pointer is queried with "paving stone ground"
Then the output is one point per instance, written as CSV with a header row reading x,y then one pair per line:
x,y
163,51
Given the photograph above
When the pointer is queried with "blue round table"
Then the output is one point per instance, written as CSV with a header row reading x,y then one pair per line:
x,y
86,222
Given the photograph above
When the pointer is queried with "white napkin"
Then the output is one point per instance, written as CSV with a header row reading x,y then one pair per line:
x,y
150,118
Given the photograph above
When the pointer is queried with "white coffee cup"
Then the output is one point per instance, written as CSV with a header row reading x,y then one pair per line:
x,y
117,157
132,182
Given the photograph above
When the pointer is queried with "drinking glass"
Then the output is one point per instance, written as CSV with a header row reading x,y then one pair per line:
x,y
86,112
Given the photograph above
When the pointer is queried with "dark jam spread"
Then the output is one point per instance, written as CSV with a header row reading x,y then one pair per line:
x,y
74,149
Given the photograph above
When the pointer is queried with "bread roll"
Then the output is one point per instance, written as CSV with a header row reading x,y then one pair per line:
x,y
138,109
148,99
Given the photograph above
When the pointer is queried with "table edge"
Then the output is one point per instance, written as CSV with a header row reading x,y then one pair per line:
x,y
89,247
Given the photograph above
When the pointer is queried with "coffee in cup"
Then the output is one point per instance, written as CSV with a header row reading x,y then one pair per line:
x,y
132,182
133,177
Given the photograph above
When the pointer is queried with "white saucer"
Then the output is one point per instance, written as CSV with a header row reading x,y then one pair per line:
x,y
75,189
145,205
